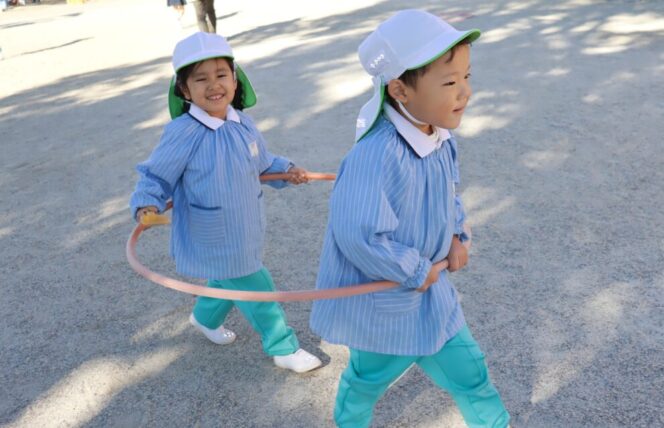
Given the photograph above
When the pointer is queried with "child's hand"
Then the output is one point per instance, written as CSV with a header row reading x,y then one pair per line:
x,y
456,259
298,175
144,210
432,277
458,256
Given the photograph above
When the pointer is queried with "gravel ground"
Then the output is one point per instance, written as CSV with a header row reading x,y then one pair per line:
x,y
562,178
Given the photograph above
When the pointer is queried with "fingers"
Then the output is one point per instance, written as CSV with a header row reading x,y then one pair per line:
x,y
458,255
457,261
426,285
431,278
298,176
464,259
299,179
436,270
295,180
453,263
142,211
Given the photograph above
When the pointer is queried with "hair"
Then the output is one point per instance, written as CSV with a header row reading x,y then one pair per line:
x,y
411,77
181,82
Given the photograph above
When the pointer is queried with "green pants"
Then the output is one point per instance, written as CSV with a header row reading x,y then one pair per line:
x,y
458,368
267,318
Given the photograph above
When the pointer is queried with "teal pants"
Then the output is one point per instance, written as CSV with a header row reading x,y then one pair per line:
x,y
458,368
267,318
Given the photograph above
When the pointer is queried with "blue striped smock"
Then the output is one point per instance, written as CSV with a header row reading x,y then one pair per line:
x,y
210,168
392,213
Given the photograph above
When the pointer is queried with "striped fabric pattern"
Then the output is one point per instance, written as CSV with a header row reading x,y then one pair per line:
x,y
218,221
392,213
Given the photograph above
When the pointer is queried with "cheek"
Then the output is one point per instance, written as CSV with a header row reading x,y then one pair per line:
x,y
444,99
229,85
193,88
452,99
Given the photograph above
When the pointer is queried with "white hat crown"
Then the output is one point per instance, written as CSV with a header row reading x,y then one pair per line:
x,y
198,47
400,43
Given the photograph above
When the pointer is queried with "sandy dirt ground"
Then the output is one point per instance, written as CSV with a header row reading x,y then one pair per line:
x,y
562,169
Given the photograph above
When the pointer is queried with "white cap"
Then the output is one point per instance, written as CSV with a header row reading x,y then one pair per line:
x,y
408,40
198,47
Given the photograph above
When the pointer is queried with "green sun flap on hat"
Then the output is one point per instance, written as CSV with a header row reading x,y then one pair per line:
x,y
249,97
383,88
176,104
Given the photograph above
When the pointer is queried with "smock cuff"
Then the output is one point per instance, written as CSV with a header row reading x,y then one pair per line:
x,y
280,164
421,273
141,202
463,236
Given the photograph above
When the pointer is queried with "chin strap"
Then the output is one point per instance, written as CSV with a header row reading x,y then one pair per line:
x,y
408,115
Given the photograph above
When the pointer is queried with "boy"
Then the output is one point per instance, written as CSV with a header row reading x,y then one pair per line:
x,y
393,213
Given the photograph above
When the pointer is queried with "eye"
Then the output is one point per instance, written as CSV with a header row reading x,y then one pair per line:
x,y
467,76
222,75
449,83
202,79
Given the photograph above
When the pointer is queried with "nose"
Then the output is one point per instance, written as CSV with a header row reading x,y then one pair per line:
x,y
216,83
466,90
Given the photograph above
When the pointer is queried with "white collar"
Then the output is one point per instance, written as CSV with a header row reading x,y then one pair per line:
x,y
213,122
422,143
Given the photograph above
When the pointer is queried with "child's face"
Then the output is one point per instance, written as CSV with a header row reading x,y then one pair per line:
x,y
441,94
211,86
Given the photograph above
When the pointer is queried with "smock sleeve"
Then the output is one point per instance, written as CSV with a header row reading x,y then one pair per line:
x,y
159,174
363,222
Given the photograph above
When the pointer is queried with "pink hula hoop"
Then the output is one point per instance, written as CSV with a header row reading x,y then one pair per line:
x,y
257,296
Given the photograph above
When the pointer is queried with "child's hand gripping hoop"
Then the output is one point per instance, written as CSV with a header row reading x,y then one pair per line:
x,y
152,219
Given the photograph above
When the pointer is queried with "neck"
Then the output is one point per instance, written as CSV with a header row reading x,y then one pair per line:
x,y
426,128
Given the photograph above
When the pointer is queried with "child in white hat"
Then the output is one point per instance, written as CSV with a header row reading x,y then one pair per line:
x,y
394,212
209,160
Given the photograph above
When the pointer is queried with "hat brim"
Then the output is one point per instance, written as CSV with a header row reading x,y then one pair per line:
x,y
369,112
249,99
432,52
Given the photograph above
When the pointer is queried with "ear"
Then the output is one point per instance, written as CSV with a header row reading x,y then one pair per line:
x,y
398,90
185,92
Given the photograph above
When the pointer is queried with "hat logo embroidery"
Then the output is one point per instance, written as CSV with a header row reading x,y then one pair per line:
x,y
379,63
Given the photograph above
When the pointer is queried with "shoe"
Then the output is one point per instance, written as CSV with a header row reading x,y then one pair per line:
x,y
220,335
300,361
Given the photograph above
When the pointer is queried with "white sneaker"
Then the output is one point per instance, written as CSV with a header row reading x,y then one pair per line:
x,y
300,361
220,335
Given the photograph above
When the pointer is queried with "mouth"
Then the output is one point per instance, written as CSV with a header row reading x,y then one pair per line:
x,y
459,110
215,97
